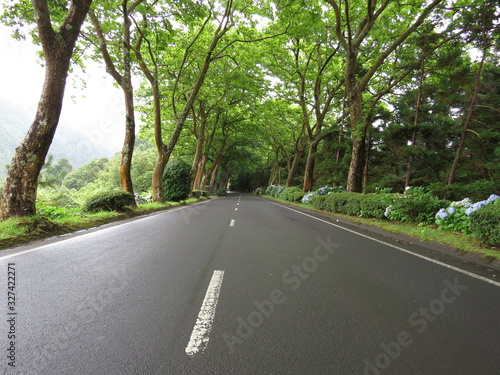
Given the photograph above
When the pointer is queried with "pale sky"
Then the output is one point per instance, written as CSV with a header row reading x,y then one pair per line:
x,y
96,111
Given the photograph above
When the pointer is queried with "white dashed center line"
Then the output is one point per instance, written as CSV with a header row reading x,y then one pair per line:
x,y
201,331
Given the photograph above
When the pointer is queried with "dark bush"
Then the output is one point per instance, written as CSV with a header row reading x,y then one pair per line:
x,y
114,200
292,194
476,191
344,203
221,192
374,205
177,180
485,223
259,191
200,193
415,206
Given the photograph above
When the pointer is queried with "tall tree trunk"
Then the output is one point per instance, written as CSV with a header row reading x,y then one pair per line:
x,y
418,104
213,176
292,172
20,188
351,40
129,142
275,169
309,171
467,122
125,82
299,150
200,171
212,171
157,178
199,158
367,163
355,174
128,90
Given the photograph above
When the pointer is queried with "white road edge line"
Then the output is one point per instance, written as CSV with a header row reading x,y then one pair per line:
x,y
97,229
473,275
201,331
231,224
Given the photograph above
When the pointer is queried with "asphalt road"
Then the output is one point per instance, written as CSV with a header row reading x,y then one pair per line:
x,y
241,285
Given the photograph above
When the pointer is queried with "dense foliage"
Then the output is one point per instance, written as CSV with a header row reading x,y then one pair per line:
x,y
416,205
177,180
115,200
485,222
304,97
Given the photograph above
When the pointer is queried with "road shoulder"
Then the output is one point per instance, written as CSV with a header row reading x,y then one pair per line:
x,y
467,257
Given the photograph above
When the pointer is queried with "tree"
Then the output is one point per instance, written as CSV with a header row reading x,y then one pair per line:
x,y
481,26
20,189
122,57
304,62
355,23
51,175
203,43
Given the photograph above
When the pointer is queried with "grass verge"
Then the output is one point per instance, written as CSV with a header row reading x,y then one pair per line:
x,y
21,230
457,240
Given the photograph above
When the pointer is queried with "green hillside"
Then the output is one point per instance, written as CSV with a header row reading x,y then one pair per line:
x,y
14,123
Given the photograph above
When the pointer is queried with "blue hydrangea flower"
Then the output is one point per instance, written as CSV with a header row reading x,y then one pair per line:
x,y
492,198
306,198
469,210
451,210
442,214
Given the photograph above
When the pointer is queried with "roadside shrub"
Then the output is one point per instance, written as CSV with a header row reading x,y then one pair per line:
x,y
54,213
414,206
364,205
218,192
114,200
292,194
324,190
485,223
142,198
476,191
456,217
374,205
308,198
274,190
345,203
177,180
259,191
353,204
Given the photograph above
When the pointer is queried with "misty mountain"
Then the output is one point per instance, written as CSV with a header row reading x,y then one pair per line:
x,y
14,124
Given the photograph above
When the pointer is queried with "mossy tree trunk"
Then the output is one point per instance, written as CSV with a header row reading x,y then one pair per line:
x,y
20,189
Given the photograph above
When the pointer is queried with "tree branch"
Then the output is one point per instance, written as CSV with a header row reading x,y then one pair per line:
x,y
381,59
110,66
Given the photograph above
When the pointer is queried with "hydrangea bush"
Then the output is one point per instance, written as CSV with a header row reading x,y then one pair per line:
x,y
274,190
456,216
324,190
416,205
